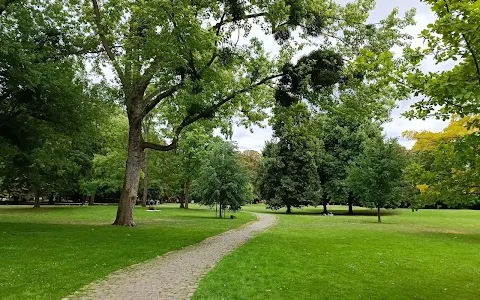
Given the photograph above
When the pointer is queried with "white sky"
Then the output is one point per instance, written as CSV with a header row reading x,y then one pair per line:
x,y
256,140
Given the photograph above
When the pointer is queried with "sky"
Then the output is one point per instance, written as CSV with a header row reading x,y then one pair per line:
x,y
256,140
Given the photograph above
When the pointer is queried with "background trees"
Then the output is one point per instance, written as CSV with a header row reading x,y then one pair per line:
x,y
376,175
223,180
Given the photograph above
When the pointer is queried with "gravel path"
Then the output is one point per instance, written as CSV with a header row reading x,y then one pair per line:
x,y
176,274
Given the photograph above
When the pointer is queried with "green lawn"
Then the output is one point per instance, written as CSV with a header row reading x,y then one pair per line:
x,y
429,254
51,252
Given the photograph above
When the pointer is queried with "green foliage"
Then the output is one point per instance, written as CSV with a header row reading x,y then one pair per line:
x,y
223,179
289,176
376,176
452,38
445,165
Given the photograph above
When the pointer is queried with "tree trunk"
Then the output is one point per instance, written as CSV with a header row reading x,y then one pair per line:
x,y
182,201
145,181
289,209
220,215
325,210
350,207
185,193
135,159
92,199
37,197
50,199
378,215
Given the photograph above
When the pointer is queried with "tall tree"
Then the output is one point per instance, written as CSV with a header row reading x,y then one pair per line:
x,y
343,139
48,111
290,178
184,58
252,160
377,174
453,37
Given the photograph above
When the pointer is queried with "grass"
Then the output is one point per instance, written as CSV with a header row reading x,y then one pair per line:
x,y
49,253
429,254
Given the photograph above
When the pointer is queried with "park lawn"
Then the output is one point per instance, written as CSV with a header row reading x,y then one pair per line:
x,y
428,254
51,252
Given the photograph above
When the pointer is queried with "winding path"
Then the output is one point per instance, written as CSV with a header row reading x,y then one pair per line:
x,y
176,274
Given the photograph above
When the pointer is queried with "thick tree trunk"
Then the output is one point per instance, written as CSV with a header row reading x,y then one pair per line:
x,y
92,199
145,181
289,209
378,215
37,197
325,210
132,174
350,207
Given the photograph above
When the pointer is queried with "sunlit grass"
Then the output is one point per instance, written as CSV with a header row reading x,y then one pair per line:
x,y
428,254
51,252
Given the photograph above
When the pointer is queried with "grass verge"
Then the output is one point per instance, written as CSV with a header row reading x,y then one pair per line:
x,y
51,252
429,254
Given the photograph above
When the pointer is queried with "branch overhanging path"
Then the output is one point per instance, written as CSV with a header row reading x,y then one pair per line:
x,y
176,274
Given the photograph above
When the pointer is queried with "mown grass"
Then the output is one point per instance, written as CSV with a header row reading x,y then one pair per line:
x,y
429,254
49,253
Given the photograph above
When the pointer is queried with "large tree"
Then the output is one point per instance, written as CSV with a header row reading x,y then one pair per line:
x,y
48,111
452,39
185,58
343,139
290,177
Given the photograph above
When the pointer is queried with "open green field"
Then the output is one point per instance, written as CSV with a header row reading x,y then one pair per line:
x,y
51,252
429,254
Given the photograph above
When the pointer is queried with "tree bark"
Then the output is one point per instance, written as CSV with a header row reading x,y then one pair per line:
x,y
135,159
186,193
92,199
325,210
50,199
289,209
145,181
378,215
350,208
37,197
220,215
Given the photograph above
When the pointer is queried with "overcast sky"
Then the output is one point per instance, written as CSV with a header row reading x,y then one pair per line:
x,y
256,140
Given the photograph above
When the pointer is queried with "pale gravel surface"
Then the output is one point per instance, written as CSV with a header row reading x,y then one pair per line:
x,y
174,275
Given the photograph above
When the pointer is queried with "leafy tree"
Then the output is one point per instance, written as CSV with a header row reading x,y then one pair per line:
x,y
252,160
377,174
223,179
48,111
183,58
343,139
453,37
445,168
290,177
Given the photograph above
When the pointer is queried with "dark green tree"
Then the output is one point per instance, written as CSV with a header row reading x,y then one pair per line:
x,y
377,175
343,140
290,177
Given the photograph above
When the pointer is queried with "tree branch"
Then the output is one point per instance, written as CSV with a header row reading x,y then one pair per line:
x,y
107,45
155,98
469,47
229,20
207,112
